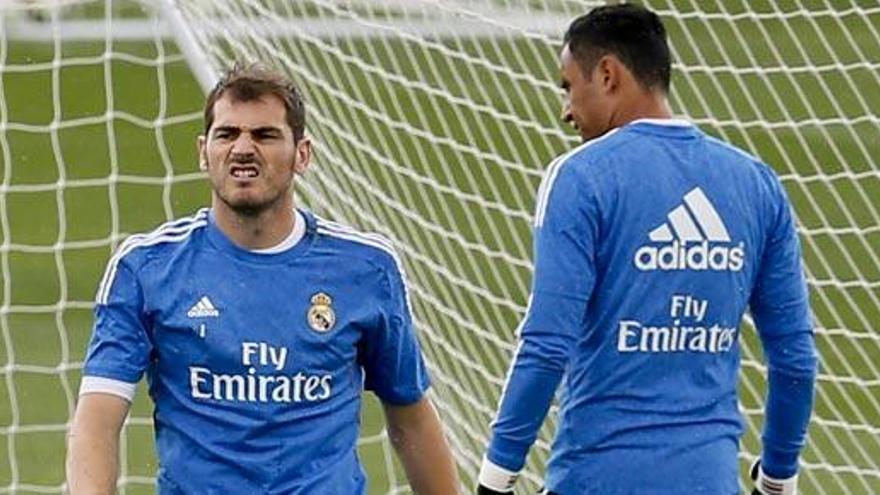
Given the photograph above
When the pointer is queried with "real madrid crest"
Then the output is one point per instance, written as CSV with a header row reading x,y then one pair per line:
x,y
321,315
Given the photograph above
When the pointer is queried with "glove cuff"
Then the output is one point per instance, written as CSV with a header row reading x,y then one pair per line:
x,y
774,486
497,478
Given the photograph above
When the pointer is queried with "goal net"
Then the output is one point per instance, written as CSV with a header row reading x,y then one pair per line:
x,y
432,122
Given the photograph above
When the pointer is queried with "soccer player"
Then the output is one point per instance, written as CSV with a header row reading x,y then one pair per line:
x,y
651,240
257,325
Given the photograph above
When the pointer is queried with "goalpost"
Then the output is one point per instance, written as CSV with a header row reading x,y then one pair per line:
x,y
432,122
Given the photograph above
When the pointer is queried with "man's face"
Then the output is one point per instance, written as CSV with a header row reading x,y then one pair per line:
x,y
586,105
250,155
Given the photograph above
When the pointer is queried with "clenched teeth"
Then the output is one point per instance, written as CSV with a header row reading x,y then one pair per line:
x,y
242,173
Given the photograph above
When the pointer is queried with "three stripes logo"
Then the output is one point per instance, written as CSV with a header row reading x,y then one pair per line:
x,y
693,238
203,309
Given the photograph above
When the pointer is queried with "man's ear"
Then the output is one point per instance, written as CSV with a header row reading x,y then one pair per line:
x,y
201,144
302,156
609,71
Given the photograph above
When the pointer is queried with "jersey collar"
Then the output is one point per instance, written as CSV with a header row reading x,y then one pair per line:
x,y
667,127
225,245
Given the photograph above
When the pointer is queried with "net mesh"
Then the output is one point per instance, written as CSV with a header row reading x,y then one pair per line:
x,y
433,121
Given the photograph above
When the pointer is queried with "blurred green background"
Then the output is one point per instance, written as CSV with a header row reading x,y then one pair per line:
x,y
419,140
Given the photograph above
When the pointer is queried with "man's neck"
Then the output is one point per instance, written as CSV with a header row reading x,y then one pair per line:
x,y
646,106
261,230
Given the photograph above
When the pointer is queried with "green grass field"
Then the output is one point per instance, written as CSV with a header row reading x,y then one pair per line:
x,y
58,152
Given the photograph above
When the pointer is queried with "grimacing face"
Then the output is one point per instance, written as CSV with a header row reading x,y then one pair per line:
x,y
586,104
250,154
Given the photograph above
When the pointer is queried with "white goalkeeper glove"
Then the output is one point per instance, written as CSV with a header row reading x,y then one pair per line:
x,y
495,480
765,485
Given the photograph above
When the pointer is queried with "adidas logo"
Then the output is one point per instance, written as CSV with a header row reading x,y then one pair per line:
x,y
691,236
203,309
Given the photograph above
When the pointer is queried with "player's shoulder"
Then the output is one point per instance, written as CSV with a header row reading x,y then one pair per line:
x,y
351,245
723,147
589,152
139,249
743,166
738,156
589,161
581,163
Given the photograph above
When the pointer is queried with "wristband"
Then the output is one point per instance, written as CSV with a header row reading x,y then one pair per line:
x,y
766,485
497,478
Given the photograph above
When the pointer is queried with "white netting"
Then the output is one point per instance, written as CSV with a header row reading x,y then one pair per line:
x,y
433,121
97,114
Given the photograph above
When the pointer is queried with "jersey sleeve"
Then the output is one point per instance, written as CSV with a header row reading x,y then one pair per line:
x,y
566,231
393,365
780,307
120,348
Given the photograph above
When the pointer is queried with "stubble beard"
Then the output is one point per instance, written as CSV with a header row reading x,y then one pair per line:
x,y
251,207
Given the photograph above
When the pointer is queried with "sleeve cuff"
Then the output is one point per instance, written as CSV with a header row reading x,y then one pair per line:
x,y
497,478
101,385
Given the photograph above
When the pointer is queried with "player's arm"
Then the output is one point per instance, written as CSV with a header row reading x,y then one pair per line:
x,y
395,370
93,444
417,436
566,230
117,356
780,307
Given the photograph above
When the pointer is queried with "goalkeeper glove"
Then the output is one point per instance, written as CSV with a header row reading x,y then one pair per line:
x,y
765,485
495,480
483,490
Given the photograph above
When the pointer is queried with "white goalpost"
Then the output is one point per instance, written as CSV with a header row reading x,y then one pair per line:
x,y
432,122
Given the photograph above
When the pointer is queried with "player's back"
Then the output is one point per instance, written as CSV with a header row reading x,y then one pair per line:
x,y
651,385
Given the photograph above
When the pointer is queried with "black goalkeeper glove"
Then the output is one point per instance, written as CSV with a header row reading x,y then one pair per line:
x,y
482,490
765,485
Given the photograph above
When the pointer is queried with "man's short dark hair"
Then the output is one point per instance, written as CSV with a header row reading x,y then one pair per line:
x,y
249,82
632,33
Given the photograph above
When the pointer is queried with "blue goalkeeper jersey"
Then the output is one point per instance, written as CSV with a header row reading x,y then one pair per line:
x,y
650,244
256,362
